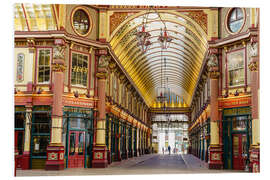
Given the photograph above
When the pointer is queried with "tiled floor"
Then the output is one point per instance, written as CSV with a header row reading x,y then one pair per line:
x,y
146,164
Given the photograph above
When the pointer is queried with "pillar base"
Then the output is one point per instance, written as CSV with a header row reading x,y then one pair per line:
x,y
26,160
135,153
55,157
100,159
109,157
124,155
130,153
139,152
119,155
254,154
215,157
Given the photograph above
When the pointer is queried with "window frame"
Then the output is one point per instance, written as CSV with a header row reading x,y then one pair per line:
x,y
244,67
89,18
227,20
88,69
37,65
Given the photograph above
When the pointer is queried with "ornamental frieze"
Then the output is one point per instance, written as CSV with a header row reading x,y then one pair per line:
x,y
200,17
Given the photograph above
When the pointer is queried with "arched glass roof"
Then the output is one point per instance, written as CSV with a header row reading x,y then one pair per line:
x,y
147,69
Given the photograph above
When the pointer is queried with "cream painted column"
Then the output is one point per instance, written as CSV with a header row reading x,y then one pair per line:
x,y
27,138
27,129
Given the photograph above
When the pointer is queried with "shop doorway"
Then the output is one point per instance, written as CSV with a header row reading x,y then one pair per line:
x,y
239,151
19,135
76,154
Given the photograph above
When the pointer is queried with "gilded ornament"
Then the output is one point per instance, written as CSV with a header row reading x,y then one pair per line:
x,y
253,66
58,67
101,75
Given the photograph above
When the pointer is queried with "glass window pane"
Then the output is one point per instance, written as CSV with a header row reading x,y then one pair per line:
x,y
79,69
81,144
233,15
40,144
72,139
19,120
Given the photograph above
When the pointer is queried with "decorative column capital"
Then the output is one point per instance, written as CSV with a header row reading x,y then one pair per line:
x,y
57,67
102,75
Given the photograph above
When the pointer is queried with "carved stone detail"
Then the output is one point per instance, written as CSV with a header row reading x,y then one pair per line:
x,y
59,52
253,49
104,61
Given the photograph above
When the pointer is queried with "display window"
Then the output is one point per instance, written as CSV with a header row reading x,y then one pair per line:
x,y
79,70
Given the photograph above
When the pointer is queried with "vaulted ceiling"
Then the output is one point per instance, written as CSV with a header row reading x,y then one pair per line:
x,y
148,70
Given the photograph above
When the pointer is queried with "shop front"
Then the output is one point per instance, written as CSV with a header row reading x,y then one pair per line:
x,y
40,136
236,137
78,134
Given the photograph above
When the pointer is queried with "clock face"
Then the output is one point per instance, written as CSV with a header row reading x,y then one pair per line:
x,y
235,20
81,22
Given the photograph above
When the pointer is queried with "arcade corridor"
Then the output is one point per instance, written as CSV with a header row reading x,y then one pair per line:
x,y
104,87
147,164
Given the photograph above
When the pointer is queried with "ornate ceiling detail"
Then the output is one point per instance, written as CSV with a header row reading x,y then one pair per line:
x,y
200,17
116,19
183,58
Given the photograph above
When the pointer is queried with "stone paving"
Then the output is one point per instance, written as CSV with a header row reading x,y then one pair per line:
x,y
146,164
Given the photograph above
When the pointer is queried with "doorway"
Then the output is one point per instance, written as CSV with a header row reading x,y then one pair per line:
x,y
239,151
76,149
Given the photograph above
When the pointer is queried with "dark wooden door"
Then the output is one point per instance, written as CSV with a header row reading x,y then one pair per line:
x,y
76,152
239,146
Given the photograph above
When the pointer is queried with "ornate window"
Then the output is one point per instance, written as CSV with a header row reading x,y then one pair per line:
x,y
44,64
236,71
81,21
235,20
79,69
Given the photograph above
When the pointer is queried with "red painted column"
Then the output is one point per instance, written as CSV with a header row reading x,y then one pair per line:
x,y
215,150
100,159
255,88
55,150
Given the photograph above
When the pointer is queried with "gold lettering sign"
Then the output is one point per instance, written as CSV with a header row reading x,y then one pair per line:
x,y
236,111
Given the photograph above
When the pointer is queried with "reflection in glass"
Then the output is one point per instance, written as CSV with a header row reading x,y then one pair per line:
x,y
236,19
72,139
81,143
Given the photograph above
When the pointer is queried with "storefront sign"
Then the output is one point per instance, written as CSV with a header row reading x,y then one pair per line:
x,y
229,103
78,102
237,111
77,110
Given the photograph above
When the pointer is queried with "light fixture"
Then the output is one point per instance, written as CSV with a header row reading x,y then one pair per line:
x,y
164,39
143,37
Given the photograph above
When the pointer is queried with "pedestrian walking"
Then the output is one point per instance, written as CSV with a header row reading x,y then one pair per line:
x,y
169,149
163,150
